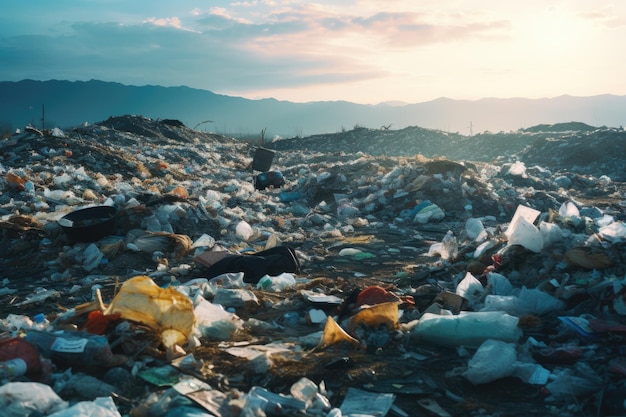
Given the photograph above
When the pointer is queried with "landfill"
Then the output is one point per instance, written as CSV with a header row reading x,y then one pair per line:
x,y
150,269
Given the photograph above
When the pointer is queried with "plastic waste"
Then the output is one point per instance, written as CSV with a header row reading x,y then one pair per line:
x,y
100,407
380,314
449,247
19,399
522,231
187,411
375,294
428,213
277,283
517,169
74,347
228,280
18,357
614,232
334,334
305,390
349,252
498,284
244,230
493,360
483,248
260,399
16,322
530,373
475,229
527,235
471,289
235,297
270,179
165,310
364,403
551,233
527,301
567,382
466,328
93,257
204,241
213,321
568,209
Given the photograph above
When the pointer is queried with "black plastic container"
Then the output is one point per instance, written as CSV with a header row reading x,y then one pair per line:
x,y
89,224
268,179
262,159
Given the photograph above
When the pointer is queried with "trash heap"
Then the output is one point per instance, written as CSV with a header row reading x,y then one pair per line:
x,y
146,273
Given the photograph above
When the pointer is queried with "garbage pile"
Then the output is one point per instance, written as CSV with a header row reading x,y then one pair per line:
x,y
145,273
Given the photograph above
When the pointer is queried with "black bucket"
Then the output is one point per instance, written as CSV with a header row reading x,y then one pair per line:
x,y
89,224
262,159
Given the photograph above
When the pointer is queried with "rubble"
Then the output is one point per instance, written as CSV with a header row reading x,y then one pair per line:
x,y
384,277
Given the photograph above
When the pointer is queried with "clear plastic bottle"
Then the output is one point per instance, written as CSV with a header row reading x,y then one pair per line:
x,y
18,357
75,347
40,322
276,283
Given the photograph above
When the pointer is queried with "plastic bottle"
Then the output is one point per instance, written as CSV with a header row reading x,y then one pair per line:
x,y
40,322
276,283
18,357
76,347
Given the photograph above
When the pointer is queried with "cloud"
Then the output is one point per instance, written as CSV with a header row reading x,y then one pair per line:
x,y
246,46
339,47
167,21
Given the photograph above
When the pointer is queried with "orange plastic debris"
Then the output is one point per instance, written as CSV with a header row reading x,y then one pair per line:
x,y
15,181
180,191
98,322
377,295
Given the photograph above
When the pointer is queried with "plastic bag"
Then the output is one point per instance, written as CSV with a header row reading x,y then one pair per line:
x,y
383,313
18,399
334,334
164,310
466,328
100,407
493,360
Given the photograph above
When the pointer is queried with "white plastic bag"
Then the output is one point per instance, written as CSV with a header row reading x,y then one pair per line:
x,y
100,407
466,328
18,399
493,360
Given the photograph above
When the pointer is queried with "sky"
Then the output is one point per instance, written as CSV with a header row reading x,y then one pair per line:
x,y
362,51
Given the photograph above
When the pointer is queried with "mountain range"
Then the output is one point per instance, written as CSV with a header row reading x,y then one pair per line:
x,y
58,103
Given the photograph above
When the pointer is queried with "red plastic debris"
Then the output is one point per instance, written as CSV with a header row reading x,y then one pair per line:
x,y
98,323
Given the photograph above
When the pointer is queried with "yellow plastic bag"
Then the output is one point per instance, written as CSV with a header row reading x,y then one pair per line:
x,y
164,310
334,334
383,313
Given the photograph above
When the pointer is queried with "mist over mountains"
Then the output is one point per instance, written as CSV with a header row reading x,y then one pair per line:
x,y
71,103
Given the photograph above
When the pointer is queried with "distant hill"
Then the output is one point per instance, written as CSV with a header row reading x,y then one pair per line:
x,y
65,104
